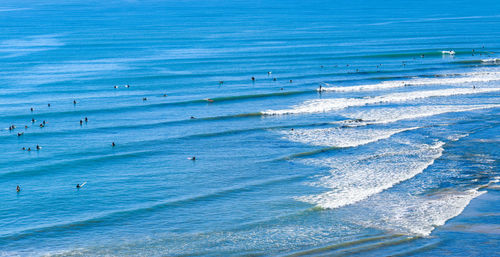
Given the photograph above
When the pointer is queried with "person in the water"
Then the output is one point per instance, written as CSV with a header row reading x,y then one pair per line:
x,y
78,186
18,188
113,144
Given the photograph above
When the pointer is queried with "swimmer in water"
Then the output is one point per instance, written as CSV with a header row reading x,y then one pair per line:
x,y
18,188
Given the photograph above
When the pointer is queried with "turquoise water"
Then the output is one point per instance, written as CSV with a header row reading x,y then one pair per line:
x,y
397,154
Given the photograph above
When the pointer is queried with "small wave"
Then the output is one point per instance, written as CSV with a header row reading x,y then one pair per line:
x,y
340,137
461,79
326,105
388,115
492,60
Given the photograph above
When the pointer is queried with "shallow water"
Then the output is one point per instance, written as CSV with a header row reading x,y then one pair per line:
x,y
397,154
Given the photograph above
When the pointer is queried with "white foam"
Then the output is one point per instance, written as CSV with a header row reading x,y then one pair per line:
x,y
388,115
417,215
494,60
340,137
461,79
326,105
351,182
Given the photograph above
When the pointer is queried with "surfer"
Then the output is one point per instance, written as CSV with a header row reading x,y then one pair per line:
x,y
33,120
113,144
291,81
24,148
78,186
193,158
192,117
20,134
31,109
86,120
38,147
274,79
221,82
127,86
81,122
18,188
253,79
74,102
144,99
320,88
164,95
48,105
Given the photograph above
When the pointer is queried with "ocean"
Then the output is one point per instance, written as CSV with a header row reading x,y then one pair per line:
x,y
319,128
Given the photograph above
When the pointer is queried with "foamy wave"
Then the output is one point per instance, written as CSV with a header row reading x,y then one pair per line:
x,y
464,78
388,115
325,105
494,60
418,215
340,137
351,182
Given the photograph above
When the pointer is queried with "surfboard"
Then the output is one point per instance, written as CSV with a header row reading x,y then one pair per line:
x,y
83,184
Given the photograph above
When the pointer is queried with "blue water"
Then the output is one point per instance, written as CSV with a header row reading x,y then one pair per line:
x,y
397,154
